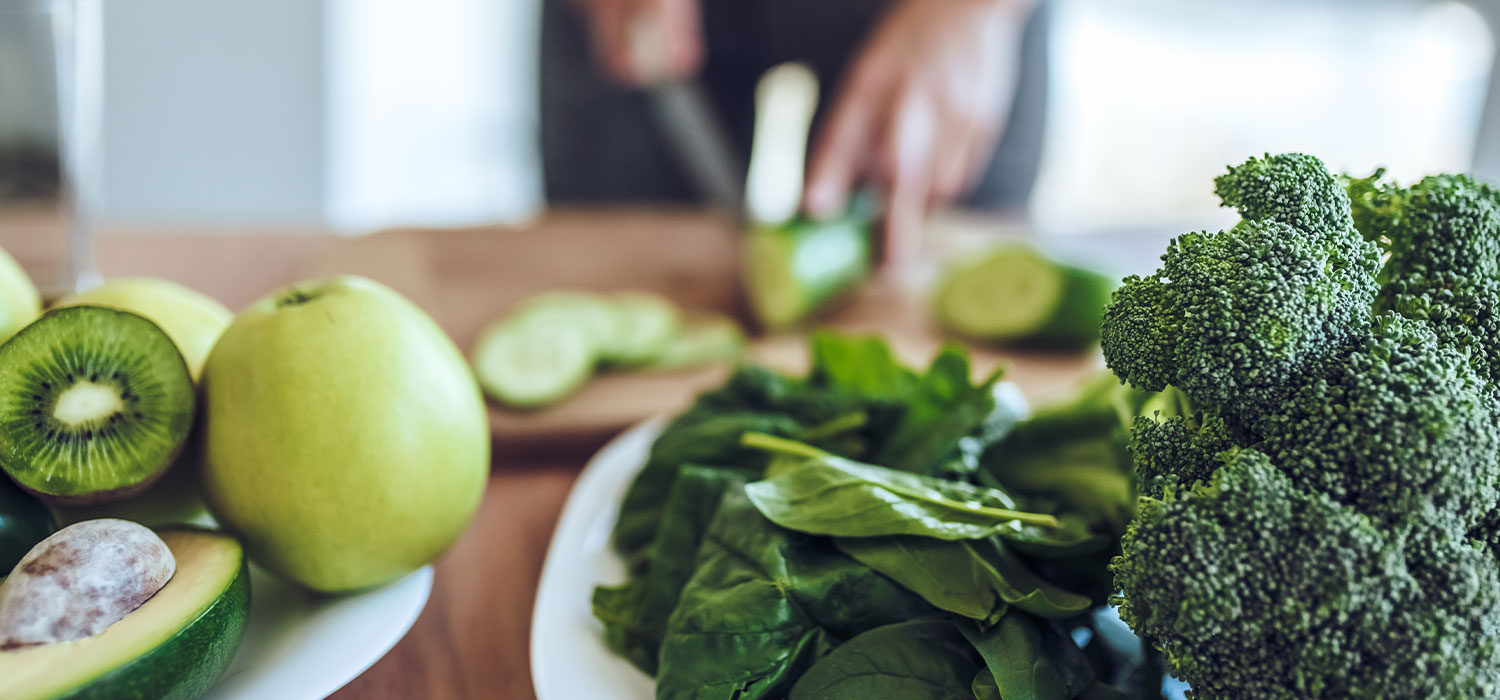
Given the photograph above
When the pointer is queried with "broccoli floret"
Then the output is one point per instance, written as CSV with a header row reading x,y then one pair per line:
x,y
1239,316
1398,424
1177,451
1255,588
1323,521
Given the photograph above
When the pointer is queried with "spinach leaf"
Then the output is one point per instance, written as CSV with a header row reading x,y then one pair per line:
x,y
859,365
915,660
830,495
984,687
933,411
763,604
635,613
978,579
1031,658
702,438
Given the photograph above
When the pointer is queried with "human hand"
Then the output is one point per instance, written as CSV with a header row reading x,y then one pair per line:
x,y
919,111
638,42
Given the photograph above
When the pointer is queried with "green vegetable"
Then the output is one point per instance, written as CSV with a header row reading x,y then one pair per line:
x,y
635,613
977,579
791,271
1016,294
1320,517
645,325
703,339
867,470
24,521
763,605
915,660
829,495
531,365
1031,659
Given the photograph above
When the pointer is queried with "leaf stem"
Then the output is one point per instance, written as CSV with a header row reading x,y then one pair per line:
x,y
779,445
842,424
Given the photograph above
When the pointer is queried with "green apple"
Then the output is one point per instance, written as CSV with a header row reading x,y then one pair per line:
x,y
20,302
192,320
345,439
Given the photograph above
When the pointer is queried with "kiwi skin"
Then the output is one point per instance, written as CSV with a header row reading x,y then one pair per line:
x,y
130,490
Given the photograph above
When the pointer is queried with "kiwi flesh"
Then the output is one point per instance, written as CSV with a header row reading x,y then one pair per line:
x,y
95,403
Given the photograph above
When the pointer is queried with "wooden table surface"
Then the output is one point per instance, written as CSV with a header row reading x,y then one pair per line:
x,y
472,639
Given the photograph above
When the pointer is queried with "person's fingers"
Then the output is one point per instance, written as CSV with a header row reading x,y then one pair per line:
x,y
611,30
907,147
683,35
843,143
954,150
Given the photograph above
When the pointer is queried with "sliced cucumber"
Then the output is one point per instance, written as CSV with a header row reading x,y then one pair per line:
x,y
1015,293
644,325
530,365
704,339
789,272
591,314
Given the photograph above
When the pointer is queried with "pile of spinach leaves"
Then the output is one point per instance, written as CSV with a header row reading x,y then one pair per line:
x,y
874,531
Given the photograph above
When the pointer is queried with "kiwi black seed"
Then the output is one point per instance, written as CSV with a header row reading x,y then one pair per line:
x,y
94,404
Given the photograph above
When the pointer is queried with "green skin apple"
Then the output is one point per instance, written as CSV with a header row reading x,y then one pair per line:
x,y
345,439
193,320
20,303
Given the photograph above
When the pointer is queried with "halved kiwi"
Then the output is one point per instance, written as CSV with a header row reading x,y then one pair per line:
x,y
94,405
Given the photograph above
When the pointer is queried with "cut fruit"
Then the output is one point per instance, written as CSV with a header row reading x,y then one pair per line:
x,y
644,325
94,405
1017,294
24,522
704,339
790,272
174,647
533,365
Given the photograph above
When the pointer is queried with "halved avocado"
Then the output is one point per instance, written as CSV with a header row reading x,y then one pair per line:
x,y
175,647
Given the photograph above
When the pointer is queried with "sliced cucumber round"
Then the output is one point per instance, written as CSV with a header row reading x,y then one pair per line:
x,y
528,365
704,339
645,325
789,272
174,647
589,313
1015,293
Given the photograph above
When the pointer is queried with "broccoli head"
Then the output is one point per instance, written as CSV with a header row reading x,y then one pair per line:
x,y
1324,519
1396,425
1257,589
1237,317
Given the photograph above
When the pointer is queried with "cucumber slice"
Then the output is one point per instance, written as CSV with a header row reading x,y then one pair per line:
x,y
591,314
705,339
644,325
790,272
530,365
1015,293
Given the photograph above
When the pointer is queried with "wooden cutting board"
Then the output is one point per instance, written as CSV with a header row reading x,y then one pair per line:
x,y
467,277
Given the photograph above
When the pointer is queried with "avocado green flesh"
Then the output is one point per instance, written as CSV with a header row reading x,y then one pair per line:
x,y
175,647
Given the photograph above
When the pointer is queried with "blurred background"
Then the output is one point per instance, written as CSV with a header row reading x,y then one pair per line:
x,y
359,115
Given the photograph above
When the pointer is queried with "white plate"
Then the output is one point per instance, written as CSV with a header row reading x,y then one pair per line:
x,y
305,646
569,660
